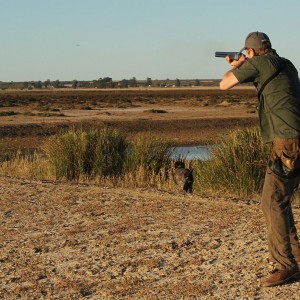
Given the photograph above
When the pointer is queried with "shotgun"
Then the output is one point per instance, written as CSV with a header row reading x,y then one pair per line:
x,y
232,55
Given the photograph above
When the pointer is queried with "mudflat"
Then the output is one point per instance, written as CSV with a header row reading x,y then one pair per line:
x,y
184,116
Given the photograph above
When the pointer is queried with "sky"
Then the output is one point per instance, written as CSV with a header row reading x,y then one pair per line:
x,y
122,39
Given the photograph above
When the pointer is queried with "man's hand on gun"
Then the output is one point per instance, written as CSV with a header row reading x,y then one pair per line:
x,y
235,59
234,62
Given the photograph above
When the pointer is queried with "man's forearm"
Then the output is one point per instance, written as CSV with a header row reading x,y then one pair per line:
x,y
229,80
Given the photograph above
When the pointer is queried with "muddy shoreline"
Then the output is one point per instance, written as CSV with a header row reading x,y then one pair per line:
x,y
178,132
180,116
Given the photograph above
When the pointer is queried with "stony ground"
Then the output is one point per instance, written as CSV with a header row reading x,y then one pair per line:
x,y
70,241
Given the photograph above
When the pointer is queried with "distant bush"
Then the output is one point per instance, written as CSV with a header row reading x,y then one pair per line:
x,y
158,111
237,165
8,113
44,114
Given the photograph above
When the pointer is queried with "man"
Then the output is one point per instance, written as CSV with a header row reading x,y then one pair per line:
x,y
277,83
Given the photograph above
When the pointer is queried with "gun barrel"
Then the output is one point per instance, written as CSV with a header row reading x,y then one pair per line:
x,y
232,55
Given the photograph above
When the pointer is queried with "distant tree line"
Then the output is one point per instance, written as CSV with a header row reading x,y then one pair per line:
x,y
107,82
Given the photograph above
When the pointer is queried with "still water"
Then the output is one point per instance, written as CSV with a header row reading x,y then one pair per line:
x,y
192,152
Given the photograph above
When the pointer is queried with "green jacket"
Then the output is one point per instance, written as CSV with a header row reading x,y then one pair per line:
x,y
279,103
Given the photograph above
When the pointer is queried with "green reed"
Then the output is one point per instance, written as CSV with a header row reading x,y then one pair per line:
x,y
149,152
78,153
237,165
99,156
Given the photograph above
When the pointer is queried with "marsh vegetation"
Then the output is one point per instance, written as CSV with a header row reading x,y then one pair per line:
x,y
236,166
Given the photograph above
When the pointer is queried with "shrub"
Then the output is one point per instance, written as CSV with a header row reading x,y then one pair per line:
x,y
66,154
101,157
149,152
86,153
237,165
34,166
6,156
8,113
109,152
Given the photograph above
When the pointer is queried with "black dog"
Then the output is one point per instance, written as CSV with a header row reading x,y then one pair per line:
x,y
183,177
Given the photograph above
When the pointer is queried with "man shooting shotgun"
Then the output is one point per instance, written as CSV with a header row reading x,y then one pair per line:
x,y
277,82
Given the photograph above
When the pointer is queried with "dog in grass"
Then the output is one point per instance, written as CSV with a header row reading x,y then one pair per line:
x,y
183,177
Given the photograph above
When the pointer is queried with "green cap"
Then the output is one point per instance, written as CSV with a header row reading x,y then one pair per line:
x,y
256,40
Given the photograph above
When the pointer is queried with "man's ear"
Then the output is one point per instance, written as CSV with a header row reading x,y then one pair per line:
x,y
251,52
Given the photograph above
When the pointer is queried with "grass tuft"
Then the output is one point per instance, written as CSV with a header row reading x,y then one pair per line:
x,y
79,153
237,165
148,152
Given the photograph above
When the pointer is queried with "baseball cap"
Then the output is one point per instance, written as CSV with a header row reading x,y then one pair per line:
x,y
256,40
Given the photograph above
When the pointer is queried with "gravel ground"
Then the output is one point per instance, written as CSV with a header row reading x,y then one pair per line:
x,y
72,241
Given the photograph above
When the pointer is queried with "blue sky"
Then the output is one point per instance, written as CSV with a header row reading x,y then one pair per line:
x,y
89,39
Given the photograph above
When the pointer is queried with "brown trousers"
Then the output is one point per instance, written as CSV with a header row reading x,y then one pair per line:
x,y
277,193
